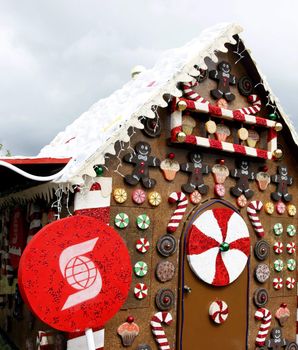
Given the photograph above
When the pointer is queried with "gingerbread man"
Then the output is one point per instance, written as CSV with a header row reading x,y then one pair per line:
x,y
276,342
197,169
283,181
225,78
142,160
243,174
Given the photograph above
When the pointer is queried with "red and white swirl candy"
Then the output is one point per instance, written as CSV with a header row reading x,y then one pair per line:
x,y
181,199
263,315
219,311
278,247
277,283
290,282
158,331
142,245
291,247
140,291
252,209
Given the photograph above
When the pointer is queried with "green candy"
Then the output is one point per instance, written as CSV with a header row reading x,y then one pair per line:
x,y
121,220
140,268
278,229
143,221
224,247
291,230
291,264
278,265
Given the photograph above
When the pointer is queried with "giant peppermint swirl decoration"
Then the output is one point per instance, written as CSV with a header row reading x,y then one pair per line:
x,y
218,246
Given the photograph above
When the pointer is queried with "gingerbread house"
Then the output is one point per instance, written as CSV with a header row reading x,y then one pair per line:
x,y
193,164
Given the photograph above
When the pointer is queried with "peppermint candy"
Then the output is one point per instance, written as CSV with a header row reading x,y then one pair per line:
x,y
291,247
142,245
291,264
280,208
138,196
140,291
278,247
140,268
278,265
291,209
290,283
195,197
277,283
120,195
143,221
219,190
241,201
154,198
291,230
269,208
219,311
121,220
278,229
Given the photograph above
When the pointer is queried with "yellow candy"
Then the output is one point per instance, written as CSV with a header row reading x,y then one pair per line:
x,y
291,209
120,195
269,208
154,198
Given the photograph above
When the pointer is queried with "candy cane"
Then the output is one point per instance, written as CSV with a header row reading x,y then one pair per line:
x,y
182,200
189,92
158,331
252,209
265,316
256,105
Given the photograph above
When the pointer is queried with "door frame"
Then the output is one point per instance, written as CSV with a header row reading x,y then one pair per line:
x,y
192,216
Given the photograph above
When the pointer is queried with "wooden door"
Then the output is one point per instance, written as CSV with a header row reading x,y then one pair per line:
x,y
197,330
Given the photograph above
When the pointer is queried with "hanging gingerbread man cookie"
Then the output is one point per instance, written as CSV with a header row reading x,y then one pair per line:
x,y
142,160
283,180
197,169
225,78
243,174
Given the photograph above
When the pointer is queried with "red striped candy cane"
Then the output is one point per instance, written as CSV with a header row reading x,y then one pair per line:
x,y
177,216
158,331
252,209
255,108
264,315
189,92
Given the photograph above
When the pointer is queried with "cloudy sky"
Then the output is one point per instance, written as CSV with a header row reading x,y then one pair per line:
x,y
58,57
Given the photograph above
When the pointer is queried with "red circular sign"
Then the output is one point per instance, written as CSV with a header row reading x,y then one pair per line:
x,y
75,273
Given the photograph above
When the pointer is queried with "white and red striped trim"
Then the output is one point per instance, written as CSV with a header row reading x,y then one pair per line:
x,y
176,127
228,114
265,316
181,199
158,331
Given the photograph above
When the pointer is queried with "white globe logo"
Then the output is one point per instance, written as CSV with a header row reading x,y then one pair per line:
x,y
80,272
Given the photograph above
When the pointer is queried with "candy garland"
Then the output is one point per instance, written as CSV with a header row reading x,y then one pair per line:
x,y
255,108
181,199
252,209
158,331
263,315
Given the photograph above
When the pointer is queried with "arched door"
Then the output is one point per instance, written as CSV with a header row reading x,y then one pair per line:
x,y
214,268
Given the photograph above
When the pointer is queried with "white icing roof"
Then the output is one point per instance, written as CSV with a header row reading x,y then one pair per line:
x,y
95,132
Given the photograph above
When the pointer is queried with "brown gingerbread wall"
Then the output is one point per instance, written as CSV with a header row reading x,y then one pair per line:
x,y
143,310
